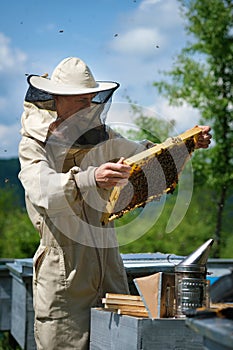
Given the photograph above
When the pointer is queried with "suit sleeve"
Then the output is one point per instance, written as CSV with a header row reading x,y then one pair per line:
x,y
45,187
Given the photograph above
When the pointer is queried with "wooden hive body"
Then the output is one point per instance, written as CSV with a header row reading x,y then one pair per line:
x,y
154,172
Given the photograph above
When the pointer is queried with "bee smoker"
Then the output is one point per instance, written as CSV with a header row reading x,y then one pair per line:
x,y
191,286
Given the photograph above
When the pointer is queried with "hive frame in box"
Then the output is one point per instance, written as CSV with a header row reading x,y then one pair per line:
x,y
167,158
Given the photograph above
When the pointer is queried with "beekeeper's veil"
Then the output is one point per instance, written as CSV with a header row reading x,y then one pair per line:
x,y
72,76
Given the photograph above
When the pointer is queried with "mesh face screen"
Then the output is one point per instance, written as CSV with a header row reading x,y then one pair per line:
x,y
85,128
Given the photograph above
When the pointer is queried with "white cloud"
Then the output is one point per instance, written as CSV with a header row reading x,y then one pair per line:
x,y
164,14
12,69
154,24
11,59
121,115
139,41
148,3
148,39
185,116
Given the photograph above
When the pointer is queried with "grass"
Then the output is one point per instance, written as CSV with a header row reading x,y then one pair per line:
x,y
7,342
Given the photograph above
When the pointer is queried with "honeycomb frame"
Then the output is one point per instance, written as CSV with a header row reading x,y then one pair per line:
x,y
161,164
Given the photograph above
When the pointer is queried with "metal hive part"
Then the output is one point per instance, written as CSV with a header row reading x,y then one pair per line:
x,y
199,257
191,286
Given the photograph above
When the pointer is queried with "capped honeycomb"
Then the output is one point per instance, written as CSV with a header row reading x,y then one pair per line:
x,y
154,172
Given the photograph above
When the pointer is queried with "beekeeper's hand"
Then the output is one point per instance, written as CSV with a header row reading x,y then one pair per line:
x,y
204,138
110,174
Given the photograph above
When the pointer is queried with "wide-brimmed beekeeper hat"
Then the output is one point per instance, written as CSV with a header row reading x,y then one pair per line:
x,y
71,77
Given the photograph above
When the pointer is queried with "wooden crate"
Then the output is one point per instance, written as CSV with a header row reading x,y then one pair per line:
x,y
5,295
22,316
112,331
154,172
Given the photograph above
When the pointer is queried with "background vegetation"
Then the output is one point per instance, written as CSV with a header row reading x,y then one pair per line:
x,y
202,76
18,238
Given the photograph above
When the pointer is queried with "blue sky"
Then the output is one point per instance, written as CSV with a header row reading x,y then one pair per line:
x,y
128,41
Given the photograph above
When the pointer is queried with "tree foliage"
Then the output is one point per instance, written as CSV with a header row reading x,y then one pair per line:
x,y
202,75
195,228
18,238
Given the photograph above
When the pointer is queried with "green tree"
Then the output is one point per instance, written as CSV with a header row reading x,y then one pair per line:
x,y
196,227
7,342
18,238
193,230
202,75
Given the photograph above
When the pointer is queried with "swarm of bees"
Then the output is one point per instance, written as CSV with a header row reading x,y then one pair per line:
x,y
154,172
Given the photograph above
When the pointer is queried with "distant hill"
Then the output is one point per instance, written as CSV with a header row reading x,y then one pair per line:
x,y
9,169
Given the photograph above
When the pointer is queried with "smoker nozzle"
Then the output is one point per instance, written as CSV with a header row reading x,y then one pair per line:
x,y
200,256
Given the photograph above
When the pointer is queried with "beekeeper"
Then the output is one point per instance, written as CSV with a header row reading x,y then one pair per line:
x,y
70,160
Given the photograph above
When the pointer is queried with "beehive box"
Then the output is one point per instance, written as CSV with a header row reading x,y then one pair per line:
x,y
110,330
216,332
154,172
22,317
5,295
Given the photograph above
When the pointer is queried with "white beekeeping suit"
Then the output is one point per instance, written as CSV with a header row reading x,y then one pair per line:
x,y
78,260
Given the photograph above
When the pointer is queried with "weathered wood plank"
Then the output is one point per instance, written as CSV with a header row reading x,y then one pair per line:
x,y
22,316
112,331
5,298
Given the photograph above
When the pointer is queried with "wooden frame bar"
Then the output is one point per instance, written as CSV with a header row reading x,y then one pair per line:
x,y
163,163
